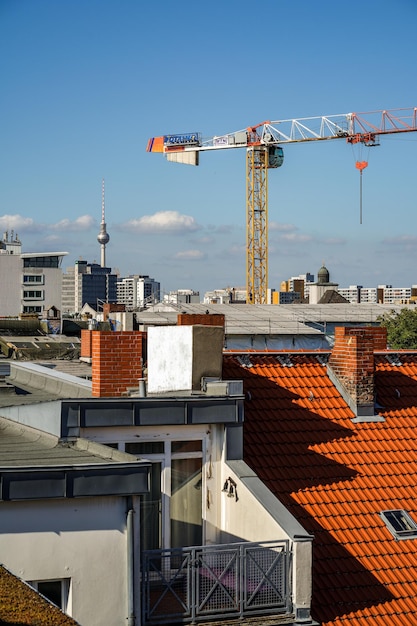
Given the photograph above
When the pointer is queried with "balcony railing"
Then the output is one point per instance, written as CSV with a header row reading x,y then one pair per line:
x,y
211,582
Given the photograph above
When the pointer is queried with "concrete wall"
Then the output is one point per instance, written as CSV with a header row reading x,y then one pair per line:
x,y
54,382
83,540
10,284
257,515
52,287
179,356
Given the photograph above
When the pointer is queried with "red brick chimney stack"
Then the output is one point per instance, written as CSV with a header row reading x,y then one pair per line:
x,y
352,363
117,360
204,319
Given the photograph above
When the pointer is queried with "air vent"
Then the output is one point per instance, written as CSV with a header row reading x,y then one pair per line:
x,y
224,388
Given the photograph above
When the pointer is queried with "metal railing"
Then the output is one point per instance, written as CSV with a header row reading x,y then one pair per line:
x,y
210,582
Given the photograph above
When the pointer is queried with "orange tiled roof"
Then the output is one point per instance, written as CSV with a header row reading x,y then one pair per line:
x,y
335,476
20,605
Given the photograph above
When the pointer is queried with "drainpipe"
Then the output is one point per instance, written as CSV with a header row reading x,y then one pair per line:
x,y
131,619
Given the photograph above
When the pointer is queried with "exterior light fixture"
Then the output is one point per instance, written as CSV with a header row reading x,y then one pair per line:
x,y
230,488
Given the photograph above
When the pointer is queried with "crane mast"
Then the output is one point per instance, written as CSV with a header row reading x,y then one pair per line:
x,y
257,225
263,151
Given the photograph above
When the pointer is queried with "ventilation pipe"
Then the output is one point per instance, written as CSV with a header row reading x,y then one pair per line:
x,y
131,619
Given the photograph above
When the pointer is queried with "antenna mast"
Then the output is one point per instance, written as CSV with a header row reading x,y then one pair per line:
x,y
103,237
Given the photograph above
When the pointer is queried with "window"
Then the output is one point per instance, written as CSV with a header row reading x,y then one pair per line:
x,y
33,278
32,294
56,591
41,261
172,512
400,524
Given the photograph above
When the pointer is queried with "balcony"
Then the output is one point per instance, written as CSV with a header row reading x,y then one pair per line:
x,y
211,583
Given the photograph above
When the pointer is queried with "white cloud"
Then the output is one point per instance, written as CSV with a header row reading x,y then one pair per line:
x,y
163,222
222,229
405,241
84,222
282,228
53,238
296,238
18,223
334,241
190,255
28,225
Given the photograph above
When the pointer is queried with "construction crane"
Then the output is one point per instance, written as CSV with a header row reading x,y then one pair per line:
x,y
263,152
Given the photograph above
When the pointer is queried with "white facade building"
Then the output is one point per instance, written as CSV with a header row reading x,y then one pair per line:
x,y
137,291
368,295
388,294
186,296
192,438
32,281
352,293
383,294
225,296
66,519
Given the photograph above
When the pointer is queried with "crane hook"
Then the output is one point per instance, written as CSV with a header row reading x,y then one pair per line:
x,y
360,165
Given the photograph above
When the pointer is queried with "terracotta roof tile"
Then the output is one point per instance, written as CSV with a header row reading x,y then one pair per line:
x,y
20,604
336,476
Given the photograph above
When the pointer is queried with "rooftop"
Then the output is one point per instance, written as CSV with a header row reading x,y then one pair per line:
x,y
336,476
20,604
271,318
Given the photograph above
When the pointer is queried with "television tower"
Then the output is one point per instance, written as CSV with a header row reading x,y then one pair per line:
x,y
103,237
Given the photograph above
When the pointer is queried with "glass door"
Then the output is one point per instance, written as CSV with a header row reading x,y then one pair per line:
x,y
185,504
171,513
151,512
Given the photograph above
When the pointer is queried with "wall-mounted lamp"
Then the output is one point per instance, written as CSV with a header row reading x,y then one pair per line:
x,y
230,488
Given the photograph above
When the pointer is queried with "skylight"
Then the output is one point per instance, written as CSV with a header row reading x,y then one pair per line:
x,y
400,524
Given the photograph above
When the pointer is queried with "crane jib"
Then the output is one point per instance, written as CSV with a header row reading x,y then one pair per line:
x,y
263,151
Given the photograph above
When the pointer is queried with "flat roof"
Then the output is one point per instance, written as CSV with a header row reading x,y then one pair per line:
x,y
37,254
37,465
272,319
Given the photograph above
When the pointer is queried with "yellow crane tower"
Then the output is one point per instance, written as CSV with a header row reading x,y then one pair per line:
x,y
263,152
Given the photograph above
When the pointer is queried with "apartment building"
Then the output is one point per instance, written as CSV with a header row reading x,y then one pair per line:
x,y
204,510
136,291
383,294
87,283
32,281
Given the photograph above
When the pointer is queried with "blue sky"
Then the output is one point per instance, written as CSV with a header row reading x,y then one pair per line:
x,y
85,83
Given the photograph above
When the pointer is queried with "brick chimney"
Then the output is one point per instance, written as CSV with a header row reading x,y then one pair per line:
x,y
204,319
117,360
351,367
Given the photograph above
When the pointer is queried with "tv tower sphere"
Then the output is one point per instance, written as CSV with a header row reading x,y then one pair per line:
x,y
103,237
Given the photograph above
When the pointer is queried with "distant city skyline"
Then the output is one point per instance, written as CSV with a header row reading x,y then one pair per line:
x,y
86,85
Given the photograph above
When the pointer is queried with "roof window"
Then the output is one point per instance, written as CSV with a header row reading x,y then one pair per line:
x,y
399,522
